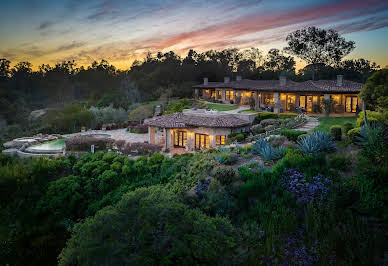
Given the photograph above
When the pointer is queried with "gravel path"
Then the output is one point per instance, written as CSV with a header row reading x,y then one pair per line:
x,y
116,134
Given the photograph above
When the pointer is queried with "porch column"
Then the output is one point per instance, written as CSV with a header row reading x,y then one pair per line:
x,y
257,103
167,142
326,97
297,101
239,96
223,95
151,135
190,141
213,142
196,94
276,98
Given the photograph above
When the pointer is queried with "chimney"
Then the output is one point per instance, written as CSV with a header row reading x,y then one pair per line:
x,y
205,81
226,79
238,78
339,80
282,80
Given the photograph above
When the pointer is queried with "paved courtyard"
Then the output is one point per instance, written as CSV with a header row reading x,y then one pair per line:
x,y
116,134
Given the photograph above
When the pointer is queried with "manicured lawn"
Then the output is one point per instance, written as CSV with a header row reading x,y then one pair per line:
x,y
326,122
221,107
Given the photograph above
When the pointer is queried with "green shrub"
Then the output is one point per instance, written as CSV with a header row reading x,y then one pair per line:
x,y
224,174
265,115
291,135
287,115
339,161
107,115
372,117
116,99
348,126
239,137
178,106
268,122
70,119
374,144
307,163
353,134
142,112
336,132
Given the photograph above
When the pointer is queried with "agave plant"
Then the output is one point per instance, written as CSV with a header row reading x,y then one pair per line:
x,y
270,153
267,152
317,142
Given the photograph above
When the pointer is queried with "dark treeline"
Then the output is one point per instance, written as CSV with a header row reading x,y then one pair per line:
x,y
160,75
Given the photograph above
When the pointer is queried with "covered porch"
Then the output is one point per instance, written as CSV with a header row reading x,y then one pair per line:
x,y
285,102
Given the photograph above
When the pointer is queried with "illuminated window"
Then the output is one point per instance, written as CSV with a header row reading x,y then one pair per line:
x,y
229,95
283,97
302,101
336,98
220,140
180,138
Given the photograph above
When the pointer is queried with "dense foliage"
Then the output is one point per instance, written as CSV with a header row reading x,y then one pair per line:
x,y
104,208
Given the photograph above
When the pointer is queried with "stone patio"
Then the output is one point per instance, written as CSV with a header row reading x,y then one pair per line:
x,y
116,134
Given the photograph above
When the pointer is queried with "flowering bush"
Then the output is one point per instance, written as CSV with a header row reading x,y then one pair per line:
x,y
224,174
303,190
83,144
141,148
296,253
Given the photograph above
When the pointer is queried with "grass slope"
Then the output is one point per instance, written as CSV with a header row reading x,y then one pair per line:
x,y
221,107
325,123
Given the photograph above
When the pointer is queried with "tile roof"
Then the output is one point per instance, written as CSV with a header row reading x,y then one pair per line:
x,y
291,86
180,120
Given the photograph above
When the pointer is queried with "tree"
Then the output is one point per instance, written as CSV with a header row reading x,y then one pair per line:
x,y
142,112
277,62
149,226
358,69
4,68
315,45
375,91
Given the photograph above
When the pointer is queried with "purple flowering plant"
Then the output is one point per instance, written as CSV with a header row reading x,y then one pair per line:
x,y
304,190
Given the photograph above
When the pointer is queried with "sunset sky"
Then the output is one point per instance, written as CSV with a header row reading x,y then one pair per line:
x,y
47,31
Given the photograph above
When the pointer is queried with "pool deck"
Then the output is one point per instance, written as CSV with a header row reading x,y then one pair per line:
x,y
116,134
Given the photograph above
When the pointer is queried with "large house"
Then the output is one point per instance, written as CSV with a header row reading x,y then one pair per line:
x,y
284,95
195,129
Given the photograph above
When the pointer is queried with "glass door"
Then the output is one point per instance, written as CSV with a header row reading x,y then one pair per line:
x,y
309,103
351,104
202,141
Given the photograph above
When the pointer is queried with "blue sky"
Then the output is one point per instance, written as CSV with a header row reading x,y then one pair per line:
x,y
43,31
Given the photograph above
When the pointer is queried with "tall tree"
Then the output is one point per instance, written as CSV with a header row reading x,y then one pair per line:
x,y
278,62
318,46
4,68
375,91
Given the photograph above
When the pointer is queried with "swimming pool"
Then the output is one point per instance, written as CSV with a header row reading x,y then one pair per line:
x,y
54,146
